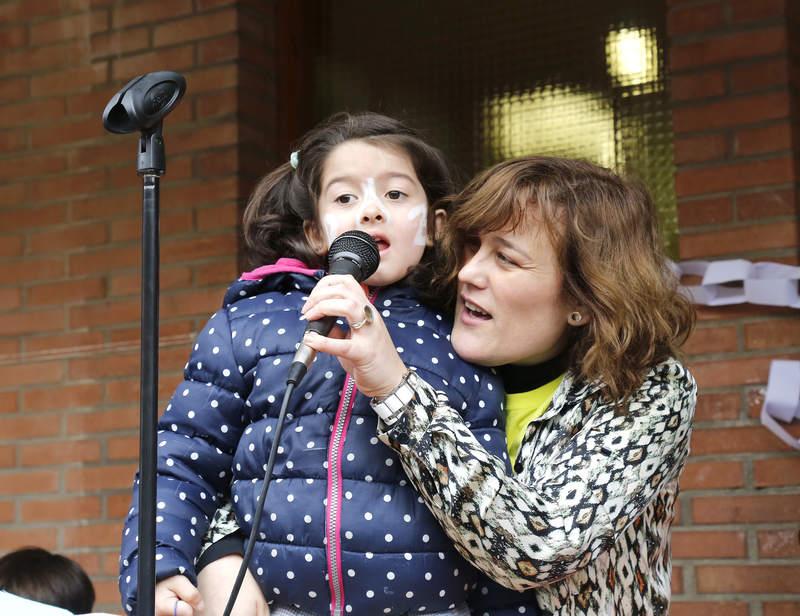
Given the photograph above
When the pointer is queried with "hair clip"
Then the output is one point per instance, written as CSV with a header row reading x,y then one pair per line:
x,y
294,159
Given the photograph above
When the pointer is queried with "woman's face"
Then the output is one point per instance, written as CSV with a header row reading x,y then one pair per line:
x,y
511,308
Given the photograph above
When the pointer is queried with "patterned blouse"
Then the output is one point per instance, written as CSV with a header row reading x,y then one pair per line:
x,y
586,520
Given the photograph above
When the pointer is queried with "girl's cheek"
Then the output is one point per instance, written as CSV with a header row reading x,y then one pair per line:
x,y
420,212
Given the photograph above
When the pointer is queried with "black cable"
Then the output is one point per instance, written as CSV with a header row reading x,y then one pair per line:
x,y
251,541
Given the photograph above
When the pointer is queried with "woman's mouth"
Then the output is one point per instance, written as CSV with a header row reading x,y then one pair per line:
x,y
476,311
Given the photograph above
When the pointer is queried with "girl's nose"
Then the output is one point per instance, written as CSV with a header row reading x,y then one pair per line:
x,y
372,212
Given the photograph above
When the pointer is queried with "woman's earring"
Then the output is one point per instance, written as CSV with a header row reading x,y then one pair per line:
x,y
575,318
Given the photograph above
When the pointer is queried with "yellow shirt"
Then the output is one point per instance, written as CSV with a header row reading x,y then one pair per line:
x,y
523,408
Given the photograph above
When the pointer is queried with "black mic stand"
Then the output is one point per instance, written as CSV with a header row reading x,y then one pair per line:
x,y
141,105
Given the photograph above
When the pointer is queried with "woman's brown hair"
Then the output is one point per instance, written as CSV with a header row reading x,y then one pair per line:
x,y
285,199
605,233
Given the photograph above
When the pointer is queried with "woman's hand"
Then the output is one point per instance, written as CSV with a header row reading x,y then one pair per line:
x,y
178,589
368,353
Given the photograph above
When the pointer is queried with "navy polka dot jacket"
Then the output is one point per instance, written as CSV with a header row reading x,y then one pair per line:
x,y
342,531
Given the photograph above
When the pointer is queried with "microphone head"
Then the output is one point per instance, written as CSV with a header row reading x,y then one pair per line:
x,y
354,252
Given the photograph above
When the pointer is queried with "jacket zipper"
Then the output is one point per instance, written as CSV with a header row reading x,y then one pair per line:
x,y
333,510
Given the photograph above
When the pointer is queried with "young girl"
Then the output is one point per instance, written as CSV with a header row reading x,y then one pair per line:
x,y
342,531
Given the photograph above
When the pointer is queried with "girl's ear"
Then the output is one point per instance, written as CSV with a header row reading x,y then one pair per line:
x,y
439,220
315,237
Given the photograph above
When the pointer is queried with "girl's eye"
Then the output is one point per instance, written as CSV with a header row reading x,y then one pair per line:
x,y
394,195
345,199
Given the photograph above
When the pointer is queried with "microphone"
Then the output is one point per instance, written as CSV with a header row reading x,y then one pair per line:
x,y
354,253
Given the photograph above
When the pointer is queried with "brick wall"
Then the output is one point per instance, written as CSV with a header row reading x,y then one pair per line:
x,y
734,78
70,211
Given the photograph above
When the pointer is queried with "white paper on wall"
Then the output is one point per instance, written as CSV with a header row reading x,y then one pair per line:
x,y
782,401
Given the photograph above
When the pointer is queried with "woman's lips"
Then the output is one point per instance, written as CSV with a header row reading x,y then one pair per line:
x,y
473,313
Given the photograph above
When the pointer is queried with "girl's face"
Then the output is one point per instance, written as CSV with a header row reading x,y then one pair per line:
x,y
373,188
511,307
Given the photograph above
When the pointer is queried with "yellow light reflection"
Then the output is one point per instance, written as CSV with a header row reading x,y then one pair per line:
x,y
632,56
554,120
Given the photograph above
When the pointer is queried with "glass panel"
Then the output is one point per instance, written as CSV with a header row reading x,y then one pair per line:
x,y
487,81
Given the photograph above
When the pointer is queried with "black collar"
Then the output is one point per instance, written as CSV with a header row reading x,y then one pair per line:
x,y
518,379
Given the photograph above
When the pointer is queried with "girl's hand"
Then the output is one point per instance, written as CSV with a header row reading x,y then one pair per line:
x,y
368,353
178,589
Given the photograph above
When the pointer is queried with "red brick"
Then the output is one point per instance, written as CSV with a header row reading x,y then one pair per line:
x,y
15,427
25,322
122,391
721,339
744,439
779,543
119,504
149,12
699,149
765,204
76,236
177,58
93,535
32,217
710,475
32,166
11,140
8,456
677,580
709,544
13,37
58,30
19,11
713,407
773,472
759,75
32,269
772,334
201,193
170,223
105,313
14,538
728,47
64,81
26,60
59,453
19,482
67,292
120,42
195,27
11,246
68,186
730,112
217,163
731,176
119,364
123,448
62,397
193,248
203,138
214,78
8,402
733,509
64,344
747,11
107,593
109,207
708,608
10,298
60,509
169,278
108,477
220,49
746,579
105,260
6,512
106,154
738,240
743,371
96,422
695,18
776,138
781,608
68,132
219,273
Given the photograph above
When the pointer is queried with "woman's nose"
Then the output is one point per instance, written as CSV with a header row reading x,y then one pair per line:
x,y
473,271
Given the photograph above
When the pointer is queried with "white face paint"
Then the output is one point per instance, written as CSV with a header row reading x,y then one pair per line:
x,y
420,211
375,188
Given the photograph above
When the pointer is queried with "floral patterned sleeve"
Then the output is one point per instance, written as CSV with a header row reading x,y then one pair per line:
x,y
569,503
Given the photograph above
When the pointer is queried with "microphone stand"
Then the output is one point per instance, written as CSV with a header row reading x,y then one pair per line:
x,y
142,104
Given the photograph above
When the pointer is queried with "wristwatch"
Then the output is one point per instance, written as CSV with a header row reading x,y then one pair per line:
x,y
390,407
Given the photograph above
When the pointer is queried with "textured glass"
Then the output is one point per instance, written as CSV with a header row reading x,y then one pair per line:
x,y
487,81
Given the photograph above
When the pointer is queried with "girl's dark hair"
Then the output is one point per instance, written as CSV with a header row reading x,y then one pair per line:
x,y
604,230
286,198
35,573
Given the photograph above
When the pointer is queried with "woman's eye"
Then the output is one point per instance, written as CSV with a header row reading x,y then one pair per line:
x,y
504,259
394,195
345,199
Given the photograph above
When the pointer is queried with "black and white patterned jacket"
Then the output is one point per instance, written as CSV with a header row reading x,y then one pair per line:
x,y
586,520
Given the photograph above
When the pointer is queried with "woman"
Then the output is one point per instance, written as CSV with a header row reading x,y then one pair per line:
x,y
562,285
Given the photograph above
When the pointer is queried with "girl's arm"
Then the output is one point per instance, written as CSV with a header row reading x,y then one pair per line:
x,y
197,437
529,531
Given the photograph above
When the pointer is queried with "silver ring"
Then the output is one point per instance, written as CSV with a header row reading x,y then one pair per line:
x,y
368,318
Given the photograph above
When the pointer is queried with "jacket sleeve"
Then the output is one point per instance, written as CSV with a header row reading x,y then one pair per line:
x,y
197,436
572,505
